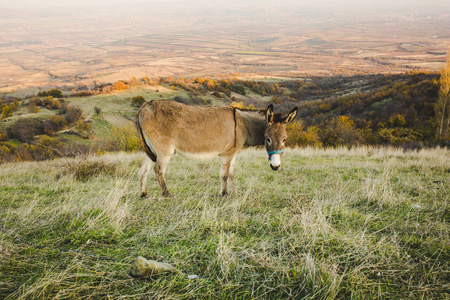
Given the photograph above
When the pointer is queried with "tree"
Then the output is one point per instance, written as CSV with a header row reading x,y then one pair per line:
x,y
442,105
6,112
340,131
120,86
71,113
134,81
138,101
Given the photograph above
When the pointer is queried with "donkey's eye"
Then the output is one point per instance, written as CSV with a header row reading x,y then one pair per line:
x,y
284,140
269,141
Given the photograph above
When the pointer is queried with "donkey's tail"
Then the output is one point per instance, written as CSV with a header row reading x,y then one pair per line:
x,y
143,138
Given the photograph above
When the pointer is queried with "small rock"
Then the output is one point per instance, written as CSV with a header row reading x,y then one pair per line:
x,y
141,267
193,276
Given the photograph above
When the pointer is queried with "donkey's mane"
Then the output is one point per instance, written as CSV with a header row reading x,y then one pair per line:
x,y
277,117
260,111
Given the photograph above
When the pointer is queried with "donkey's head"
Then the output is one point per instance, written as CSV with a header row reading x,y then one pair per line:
x,y
276,135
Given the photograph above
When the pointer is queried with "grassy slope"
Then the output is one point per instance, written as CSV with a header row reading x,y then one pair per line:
x,y
116,109
360,224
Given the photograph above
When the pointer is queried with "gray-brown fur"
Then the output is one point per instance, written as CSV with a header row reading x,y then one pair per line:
x,y
199,132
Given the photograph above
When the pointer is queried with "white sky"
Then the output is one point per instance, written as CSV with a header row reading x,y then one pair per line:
x,y
380,4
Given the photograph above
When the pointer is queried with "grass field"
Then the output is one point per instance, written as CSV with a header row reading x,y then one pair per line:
x,y
358,224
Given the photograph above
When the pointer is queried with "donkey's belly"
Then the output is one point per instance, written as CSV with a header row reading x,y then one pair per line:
x,y
198,156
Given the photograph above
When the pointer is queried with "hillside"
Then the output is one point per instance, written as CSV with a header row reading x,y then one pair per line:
x,y
334,111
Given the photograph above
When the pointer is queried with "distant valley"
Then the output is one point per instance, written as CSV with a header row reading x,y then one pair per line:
x,y
71,48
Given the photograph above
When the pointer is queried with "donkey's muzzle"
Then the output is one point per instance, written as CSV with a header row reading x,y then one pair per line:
x,y
275,161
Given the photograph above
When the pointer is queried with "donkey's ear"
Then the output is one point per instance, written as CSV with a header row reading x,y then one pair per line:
x,y
269,114
291,117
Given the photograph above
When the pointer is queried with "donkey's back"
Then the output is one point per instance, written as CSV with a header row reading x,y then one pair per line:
x,y
192,131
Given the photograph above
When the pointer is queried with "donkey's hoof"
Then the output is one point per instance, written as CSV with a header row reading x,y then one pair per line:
x,y
167,194
143,194
223,194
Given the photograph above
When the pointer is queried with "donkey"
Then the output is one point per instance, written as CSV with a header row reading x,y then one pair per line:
x,y
203,132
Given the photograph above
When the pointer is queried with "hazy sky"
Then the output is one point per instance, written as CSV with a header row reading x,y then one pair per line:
x,y
380,4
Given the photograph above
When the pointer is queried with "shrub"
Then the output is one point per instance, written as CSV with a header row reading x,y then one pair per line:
x,y
398,136
298,137
53,92
124,139
50,103
217,94
119,86
26,152
97,110
134,81
84,128
54,124
341,131
3,136
32,107
71,113
276,99
85,170
238,89
397,121
85,93
48,147
6,112
5,153
181,99
241,105
138,101
25,129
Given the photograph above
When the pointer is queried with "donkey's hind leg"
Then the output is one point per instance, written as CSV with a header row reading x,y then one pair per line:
x,y
160,169
144,168
231,174
226,171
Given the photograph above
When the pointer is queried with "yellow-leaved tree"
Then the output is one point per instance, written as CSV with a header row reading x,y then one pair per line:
x,y
442,105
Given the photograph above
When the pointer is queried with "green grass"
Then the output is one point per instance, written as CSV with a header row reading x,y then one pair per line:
x,y
359,224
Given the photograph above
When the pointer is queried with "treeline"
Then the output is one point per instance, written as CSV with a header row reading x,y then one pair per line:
x,y
393,110
396,110
194,84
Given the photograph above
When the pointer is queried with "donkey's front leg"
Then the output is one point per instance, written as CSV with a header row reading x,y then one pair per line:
x,y
160,169
144,168
226,162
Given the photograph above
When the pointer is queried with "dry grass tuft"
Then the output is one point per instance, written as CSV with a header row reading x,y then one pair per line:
x,y
87,169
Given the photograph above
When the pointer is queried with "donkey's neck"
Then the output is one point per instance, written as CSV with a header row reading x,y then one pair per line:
x,y
254,128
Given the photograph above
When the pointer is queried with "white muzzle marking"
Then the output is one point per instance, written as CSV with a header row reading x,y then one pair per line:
x,y
275,160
